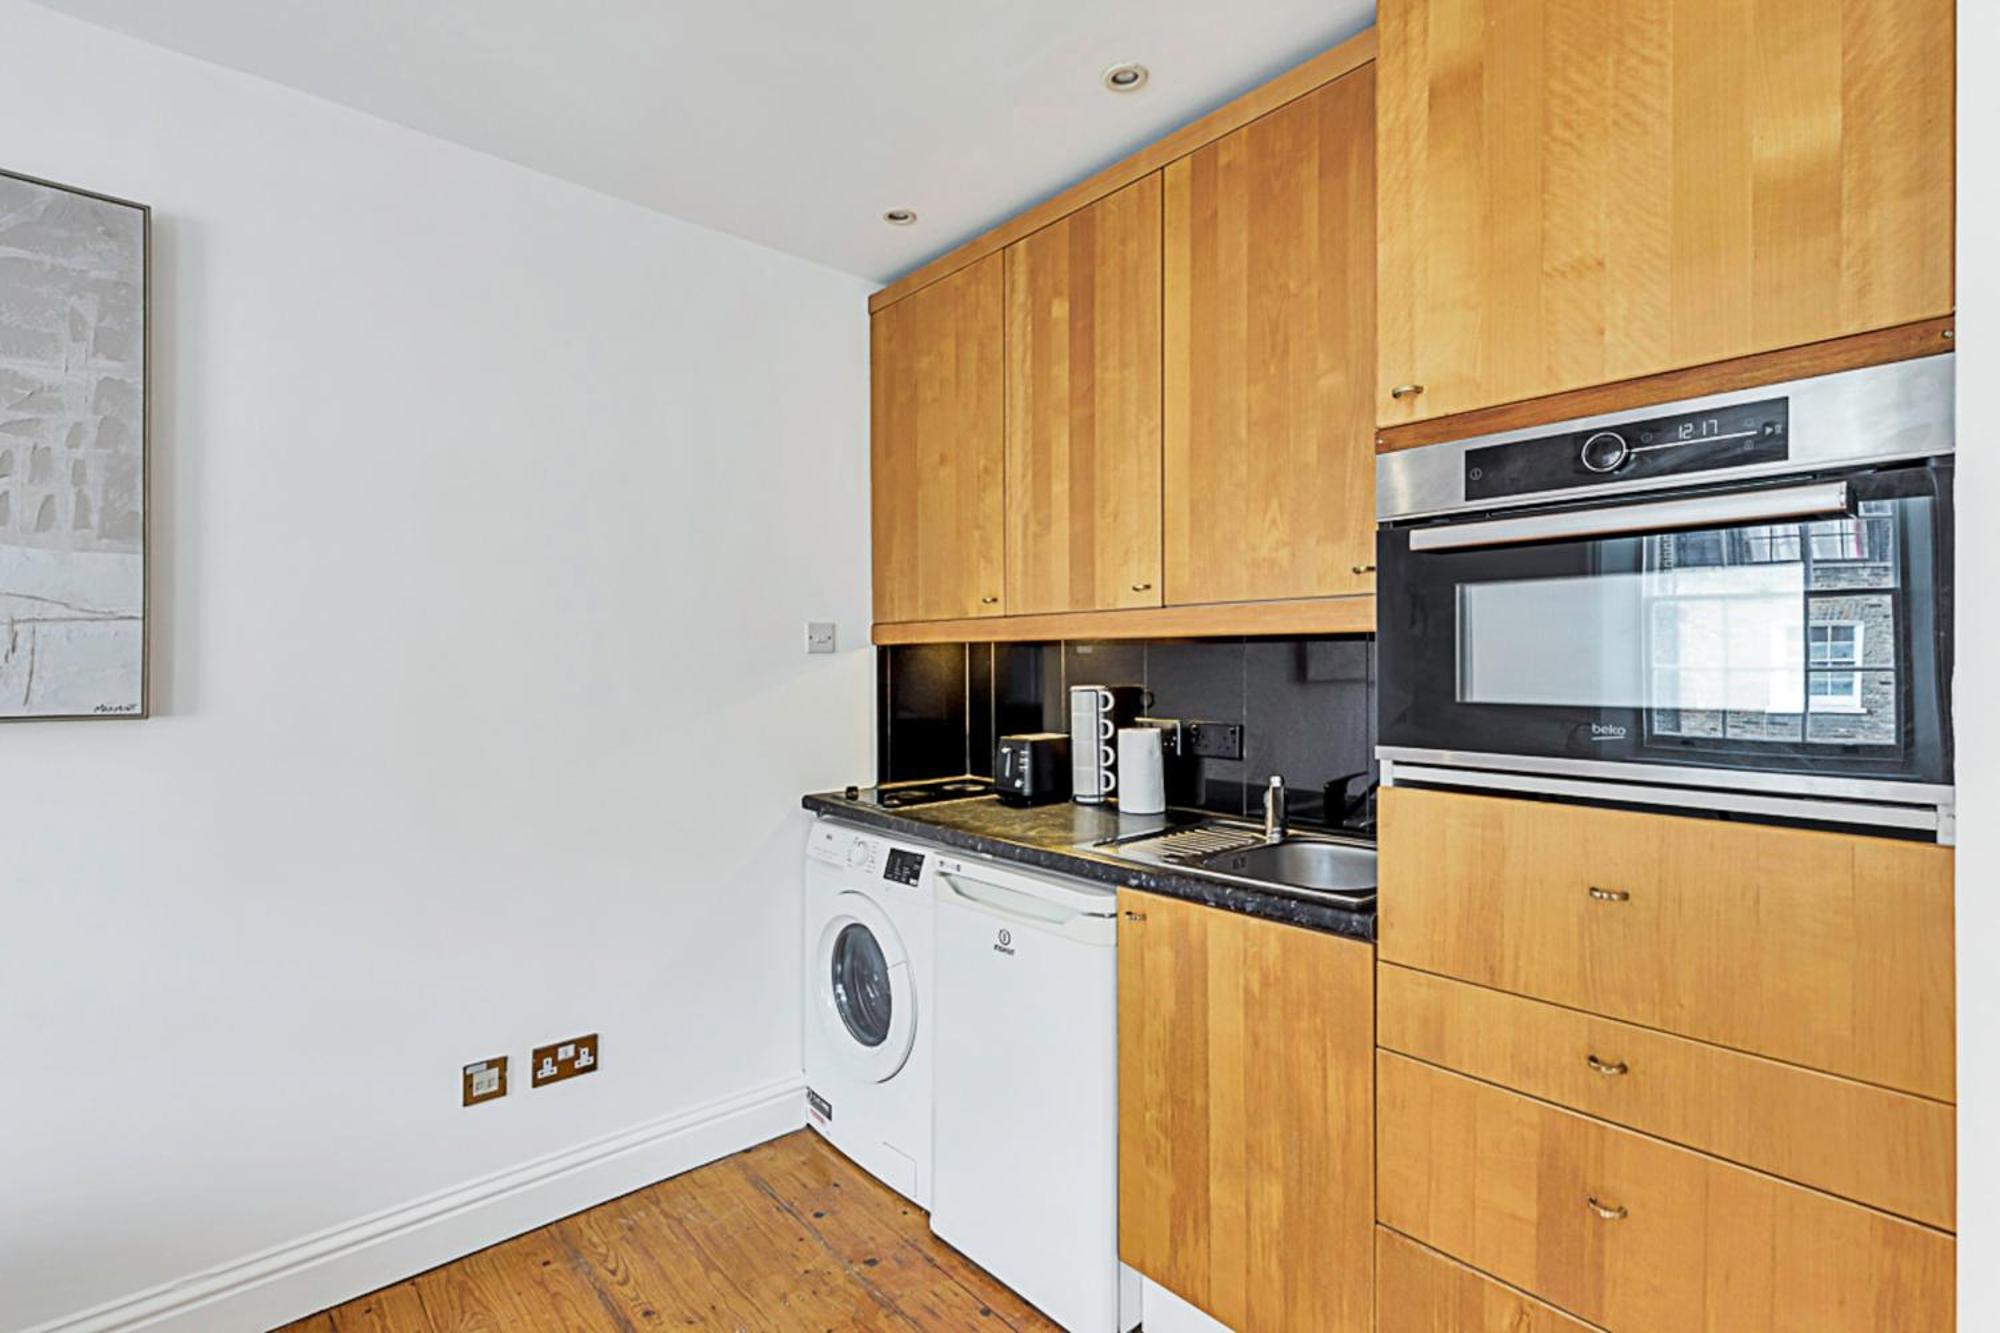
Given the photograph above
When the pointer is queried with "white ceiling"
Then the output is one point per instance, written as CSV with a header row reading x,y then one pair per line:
x,y
793,123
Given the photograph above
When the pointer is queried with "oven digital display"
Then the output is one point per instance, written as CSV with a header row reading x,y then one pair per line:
x,y
1741,435
904,867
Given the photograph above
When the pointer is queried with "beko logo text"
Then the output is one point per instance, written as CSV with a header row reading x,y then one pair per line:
x,y
1606,731
1006,943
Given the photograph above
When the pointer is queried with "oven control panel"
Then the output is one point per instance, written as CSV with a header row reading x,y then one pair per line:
x,y
1723,437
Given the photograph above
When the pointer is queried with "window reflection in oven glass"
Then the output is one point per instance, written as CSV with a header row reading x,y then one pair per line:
x,y
1783,633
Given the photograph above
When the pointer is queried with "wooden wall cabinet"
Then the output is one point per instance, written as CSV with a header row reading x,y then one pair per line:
x,y
938,449
1246,1099
1083,408
1144,408
1270,318
1573,194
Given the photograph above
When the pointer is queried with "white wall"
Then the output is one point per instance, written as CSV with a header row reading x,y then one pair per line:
x,y
1976,704
486,515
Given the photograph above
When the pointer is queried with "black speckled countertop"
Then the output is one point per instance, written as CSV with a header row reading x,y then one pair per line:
x,y
1055,837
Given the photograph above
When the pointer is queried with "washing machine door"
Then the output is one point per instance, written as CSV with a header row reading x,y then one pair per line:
x,y
862,988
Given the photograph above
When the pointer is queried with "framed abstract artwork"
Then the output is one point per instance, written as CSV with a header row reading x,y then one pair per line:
x,y
73,444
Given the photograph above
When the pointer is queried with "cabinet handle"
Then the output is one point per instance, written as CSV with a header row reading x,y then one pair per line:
x,y
1142,587
1609,1212
1610,895
1402,391
989,601
1364,569
1610,1070
1134,916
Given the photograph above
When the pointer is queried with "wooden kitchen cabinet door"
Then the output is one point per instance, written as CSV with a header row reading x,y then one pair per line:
x,y
1246,1104
1270,319
936,380
1083,408
1574,193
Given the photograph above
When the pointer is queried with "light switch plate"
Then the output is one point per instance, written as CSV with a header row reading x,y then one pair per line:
x,y
819,636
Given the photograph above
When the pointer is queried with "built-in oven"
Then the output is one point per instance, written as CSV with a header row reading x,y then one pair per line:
x,y
1737,603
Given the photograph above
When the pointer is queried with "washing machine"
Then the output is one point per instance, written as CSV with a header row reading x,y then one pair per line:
x,y
868,931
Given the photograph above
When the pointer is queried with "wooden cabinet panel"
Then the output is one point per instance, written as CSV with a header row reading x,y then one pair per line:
x,y
1418,1290
1270,310
1246,1115
1083,408
1826,950
1574,193
1886,1149
936,378
1633,1233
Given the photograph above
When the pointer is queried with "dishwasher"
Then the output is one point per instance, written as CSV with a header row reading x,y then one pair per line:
x,y
1025,1070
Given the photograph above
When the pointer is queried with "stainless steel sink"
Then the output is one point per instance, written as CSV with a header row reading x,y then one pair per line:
x,y
1307,865
1301,862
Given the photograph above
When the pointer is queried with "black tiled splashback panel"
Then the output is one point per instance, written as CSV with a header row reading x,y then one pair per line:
x,y
1307,708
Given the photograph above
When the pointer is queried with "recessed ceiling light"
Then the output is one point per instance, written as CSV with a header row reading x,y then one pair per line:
x,y
900,217
1127,76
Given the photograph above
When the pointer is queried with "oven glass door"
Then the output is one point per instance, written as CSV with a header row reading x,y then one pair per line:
x,y
1813,645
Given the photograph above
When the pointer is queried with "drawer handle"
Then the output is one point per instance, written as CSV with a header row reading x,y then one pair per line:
x,y
1610,1070
1609,1212
1364,569
1134,916
989,601
1402,391
1610,895
1142,587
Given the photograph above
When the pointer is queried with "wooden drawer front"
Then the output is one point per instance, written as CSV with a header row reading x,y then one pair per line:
x,y
1506,1184
1884,1148
1420,1291
1823,949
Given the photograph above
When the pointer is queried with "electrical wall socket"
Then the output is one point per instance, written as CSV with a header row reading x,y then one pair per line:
x,y
563,1059
484,1081
1216,740
819,636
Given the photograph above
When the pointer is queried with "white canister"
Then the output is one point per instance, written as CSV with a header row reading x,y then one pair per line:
x,y
1142,776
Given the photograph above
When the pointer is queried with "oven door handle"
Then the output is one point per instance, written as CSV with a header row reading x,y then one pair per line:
x,y
1728,510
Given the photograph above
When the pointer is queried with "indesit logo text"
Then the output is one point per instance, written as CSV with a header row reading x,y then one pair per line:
x,y
1606,731
1005,943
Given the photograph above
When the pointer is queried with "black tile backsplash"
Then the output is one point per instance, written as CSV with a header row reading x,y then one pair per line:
x,y
1306,706
923,726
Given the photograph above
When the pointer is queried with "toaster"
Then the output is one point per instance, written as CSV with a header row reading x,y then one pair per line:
x,y
1032,769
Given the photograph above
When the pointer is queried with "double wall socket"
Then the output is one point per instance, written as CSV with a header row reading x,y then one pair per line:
x,y
563,1059
1215,740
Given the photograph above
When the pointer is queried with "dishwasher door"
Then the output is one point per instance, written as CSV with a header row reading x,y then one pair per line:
x,y
1025,1063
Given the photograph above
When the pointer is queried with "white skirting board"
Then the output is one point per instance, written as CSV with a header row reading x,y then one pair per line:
x,y
307,1275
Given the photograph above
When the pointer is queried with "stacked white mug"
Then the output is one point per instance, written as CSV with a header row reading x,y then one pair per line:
x,y
1093,730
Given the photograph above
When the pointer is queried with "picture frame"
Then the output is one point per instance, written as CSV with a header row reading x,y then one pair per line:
x,y
75,452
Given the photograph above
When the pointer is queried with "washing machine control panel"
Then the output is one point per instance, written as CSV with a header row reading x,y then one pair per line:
x,y
905,866
844,847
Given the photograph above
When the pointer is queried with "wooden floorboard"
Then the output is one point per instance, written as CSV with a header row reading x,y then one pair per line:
x,y
789,1235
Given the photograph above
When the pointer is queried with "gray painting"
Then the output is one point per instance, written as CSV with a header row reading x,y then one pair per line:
x,y
72,453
